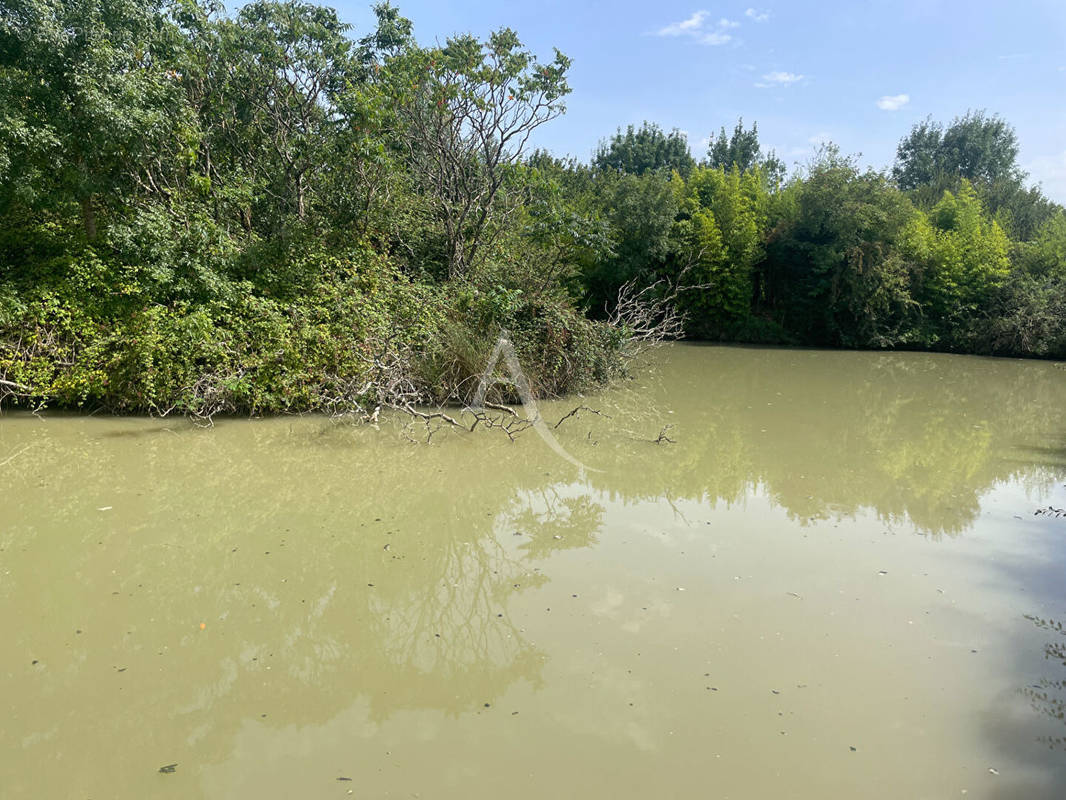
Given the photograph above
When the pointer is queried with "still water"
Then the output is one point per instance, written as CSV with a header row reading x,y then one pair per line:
x,y
826,579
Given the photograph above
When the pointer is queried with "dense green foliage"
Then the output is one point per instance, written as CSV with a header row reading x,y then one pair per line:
x,y
949,251
742,149
637,151
259,212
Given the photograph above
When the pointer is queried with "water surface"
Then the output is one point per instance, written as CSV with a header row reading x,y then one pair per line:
x,y
830,582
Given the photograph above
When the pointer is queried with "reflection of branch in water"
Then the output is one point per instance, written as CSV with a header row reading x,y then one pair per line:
x,y
510,423
455,627
662,438
13,456
1050,511
678,513
1049,696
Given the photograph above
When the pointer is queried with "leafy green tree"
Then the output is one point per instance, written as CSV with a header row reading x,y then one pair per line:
x,y
980,149
390,37
723,242
919,161
640,210
569,232
966,261
1046,254
292,60
835,271
976,147
648,148
743,149
94,111
1021,211
468,112
1027,316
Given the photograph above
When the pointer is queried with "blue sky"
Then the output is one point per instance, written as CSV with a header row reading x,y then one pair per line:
x,y
858,73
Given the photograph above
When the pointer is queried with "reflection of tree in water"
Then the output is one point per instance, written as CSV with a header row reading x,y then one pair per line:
x,y
1048,696
455,627
549,520
276,536
914,438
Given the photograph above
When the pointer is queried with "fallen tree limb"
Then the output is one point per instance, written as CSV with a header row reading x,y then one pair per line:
x,y
581,408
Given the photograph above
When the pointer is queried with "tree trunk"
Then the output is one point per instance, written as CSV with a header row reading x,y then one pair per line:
x,y
88,217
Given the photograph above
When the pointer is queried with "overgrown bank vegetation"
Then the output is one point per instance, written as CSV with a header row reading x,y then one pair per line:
x,y
260,212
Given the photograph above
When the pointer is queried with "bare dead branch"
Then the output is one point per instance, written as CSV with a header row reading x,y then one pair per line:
x,y
662,437
650,314
575,411
500,407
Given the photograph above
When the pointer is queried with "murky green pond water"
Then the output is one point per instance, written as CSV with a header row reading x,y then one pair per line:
x,y
823,587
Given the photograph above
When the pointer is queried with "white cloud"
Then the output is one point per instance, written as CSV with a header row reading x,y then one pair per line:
x,y
697,27
685,27
715,38
756,15
893,102
778,78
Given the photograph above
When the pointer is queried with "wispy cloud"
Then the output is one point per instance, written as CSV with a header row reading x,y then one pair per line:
x,y
893,102
714,38
778,79
756,15
700,28
685,27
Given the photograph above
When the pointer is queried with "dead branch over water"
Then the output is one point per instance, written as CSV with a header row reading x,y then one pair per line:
x,y
651,315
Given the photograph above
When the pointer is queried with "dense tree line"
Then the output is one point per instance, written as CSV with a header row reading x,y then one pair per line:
x,y
260,211
949,250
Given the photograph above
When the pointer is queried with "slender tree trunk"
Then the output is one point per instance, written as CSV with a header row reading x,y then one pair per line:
x,y
300,211
88,217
